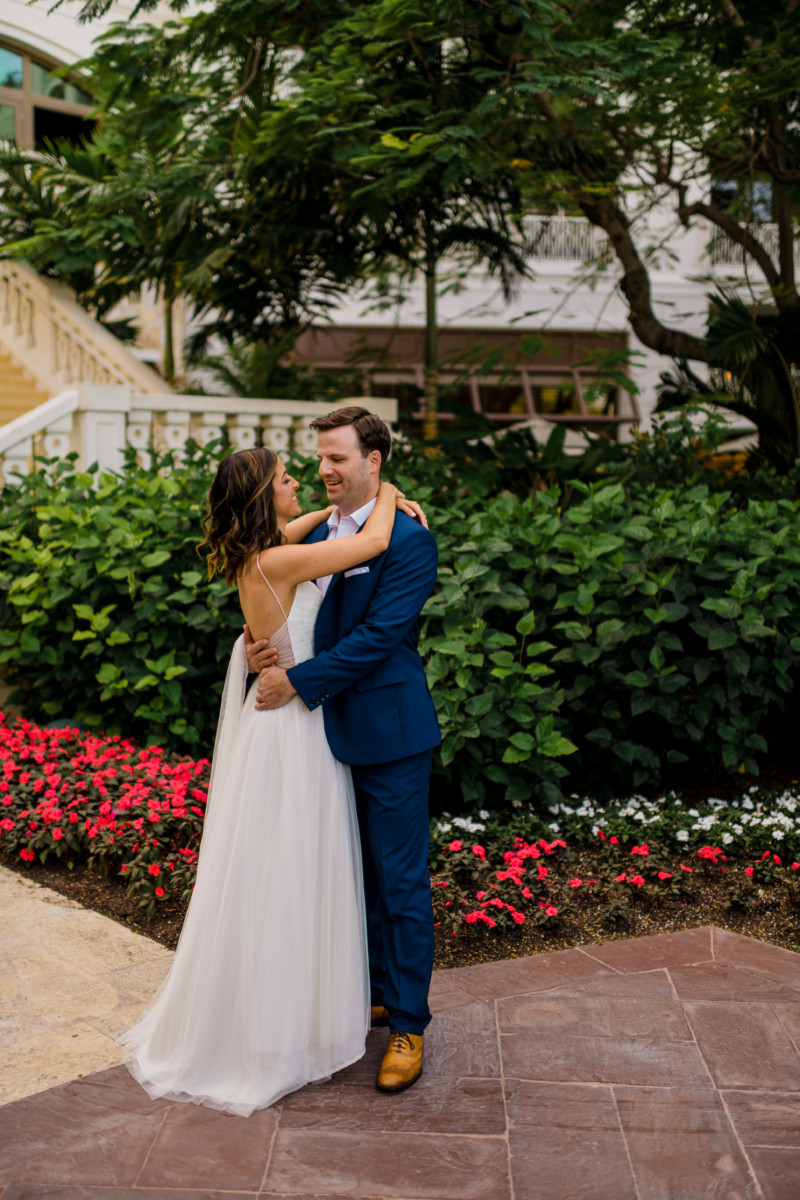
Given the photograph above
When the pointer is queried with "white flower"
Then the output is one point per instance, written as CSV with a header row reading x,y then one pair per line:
x,y
468,826
639,816
553,809
727,838
737,829
483,814
747,802
682,835
752,789
693,812
444,827
778,834
555,826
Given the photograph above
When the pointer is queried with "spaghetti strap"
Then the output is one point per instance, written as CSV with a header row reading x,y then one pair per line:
x,y
271,588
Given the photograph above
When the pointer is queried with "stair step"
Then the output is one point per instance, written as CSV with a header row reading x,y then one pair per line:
x,y
19,387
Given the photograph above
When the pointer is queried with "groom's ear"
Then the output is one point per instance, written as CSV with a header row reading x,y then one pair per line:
x,y
374,459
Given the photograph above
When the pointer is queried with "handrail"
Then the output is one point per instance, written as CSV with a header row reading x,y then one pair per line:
x,y
60,323
38,419
53,301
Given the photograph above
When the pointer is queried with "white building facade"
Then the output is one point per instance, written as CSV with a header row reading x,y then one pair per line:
x,y
576,308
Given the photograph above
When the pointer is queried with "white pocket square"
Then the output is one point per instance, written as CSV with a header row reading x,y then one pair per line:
x,y
356,571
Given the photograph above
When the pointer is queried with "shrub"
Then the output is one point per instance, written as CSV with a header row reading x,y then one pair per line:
x,y
105,612
656,627
600,641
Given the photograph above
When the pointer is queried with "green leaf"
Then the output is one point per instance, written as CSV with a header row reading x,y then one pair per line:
x,y
721,639
526,624
156,559
637,679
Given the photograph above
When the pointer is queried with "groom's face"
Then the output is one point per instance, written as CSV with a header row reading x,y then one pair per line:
x,y
350,479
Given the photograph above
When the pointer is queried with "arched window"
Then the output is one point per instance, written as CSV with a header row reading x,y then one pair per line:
x,y
36,105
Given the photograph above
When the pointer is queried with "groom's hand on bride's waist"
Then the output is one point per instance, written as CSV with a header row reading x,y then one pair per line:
x,y
274,689
260,655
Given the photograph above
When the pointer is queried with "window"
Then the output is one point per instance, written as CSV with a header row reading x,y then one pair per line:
x,y
745,199
37,105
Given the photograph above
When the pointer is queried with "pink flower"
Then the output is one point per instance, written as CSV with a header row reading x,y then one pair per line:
x,y
599,833
748,870
573,883
614,841
479,852
665,875
796,866
518,918
527,893
637,879
28,855
550,910
7,824
154,869
644,850
454,846
683,868
57,835
159,892
480,895
776,859
620,878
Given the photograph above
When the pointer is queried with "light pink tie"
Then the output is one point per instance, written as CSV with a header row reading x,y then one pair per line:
x,y
346,528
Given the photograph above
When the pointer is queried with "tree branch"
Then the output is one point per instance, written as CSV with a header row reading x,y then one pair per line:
x,y
635,286
715,215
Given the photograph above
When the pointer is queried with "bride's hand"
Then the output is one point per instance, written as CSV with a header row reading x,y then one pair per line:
x,y
412,509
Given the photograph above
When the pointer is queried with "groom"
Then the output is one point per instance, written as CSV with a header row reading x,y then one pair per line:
x,y
380,719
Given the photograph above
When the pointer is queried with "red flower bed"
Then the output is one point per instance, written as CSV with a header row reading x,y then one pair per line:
x,y
75,796
78,796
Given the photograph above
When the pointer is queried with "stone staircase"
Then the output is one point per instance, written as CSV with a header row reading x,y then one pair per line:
x,y
19,392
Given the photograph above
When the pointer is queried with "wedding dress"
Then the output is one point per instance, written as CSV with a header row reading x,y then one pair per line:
x,y
269,987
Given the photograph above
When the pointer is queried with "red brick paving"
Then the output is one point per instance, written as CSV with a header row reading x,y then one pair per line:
x,y
663,1068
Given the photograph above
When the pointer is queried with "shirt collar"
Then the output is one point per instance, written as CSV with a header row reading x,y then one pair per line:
x,y
358,517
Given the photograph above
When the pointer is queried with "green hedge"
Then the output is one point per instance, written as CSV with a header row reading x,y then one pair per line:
x,y
656,628
568,648
105,612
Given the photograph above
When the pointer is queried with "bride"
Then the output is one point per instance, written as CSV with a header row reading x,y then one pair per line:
x,y
269,988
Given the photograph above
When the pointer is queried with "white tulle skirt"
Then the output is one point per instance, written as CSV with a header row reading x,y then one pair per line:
x,y
269,987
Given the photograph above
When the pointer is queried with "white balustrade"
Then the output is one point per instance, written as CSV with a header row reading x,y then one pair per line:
x,y
563,239
60,344
100,422
724,252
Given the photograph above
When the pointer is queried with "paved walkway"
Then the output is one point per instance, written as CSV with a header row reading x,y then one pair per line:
x,y
662,1068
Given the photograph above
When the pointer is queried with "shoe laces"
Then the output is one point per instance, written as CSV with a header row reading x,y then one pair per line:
x,y
401,1041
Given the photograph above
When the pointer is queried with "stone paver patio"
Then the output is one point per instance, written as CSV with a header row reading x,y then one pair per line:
x,y
657,1068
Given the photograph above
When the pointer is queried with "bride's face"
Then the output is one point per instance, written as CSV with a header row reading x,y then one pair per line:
x,y
284,494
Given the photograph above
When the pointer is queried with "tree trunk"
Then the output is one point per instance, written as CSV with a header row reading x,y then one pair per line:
x,y
430,429
168,362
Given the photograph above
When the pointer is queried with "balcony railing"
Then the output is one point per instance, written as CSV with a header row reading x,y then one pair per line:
x,y
724,252
559,238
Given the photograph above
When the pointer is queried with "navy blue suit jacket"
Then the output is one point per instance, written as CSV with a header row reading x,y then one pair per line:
x,y
367,671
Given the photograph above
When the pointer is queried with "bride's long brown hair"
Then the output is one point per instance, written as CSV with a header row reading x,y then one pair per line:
x,y
241,518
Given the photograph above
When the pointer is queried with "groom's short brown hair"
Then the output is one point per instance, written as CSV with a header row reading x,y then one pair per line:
x,y
371,431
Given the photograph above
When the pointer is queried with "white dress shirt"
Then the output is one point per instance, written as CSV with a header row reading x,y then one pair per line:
x,y
345,526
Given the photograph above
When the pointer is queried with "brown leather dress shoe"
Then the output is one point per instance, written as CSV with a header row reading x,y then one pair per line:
x,y
380,1015
402,1062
